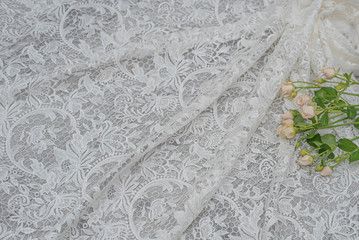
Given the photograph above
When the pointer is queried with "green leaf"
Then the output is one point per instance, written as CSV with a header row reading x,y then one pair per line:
x,y
347,145
348,76
331,93
351,112
324,120
320,94
329,139
344,110
341,103
326,93
354,156
356,125
298,118
325,147
315,141
341,86
295,112
319,101
310,135
313,120
302,125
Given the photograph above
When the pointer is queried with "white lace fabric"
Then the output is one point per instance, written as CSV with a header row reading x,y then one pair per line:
x,y
156,119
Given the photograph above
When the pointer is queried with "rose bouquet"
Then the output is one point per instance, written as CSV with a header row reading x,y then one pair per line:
x,y
327,107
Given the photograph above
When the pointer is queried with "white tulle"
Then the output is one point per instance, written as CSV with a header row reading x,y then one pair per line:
x,y
156,119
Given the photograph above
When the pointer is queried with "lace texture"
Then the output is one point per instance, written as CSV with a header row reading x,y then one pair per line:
x,y
155,119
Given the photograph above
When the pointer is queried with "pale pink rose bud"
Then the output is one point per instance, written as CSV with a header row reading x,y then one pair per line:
x,y
307,111
326,171
329,72
302,100
287,89
287,115
288,122
286,132
279,129
305,160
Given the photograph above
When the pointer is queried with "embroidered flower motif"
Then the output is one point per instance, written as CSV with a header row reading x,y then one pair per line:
x,y
157,208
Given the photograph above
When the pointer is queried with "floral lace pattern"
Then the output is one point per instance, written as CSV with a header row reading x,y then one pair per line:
x,y
154,120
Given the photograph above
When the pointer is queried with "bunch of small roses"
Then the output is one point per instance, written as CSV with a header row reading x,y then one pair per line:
x,y
327,108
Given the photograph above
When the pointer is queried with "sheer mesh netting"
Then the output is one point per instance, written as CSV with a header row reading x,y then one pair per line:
x,y
156,119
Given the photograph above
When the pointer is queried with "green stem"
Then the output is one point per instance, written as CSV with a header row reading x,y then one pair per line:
x,y
307,83
338,157
337,115
338,96
304,136
344,79
306,87
318,156
315,149
344,100
334,111
341,160
332,82
353,94
302,130
357,105
339,120
327,153
355,138
333,126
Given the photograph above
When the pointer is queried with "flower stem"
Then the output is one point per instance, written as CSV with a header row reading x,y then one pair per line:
x,y
342,106
353,94
337,115
339,120
344,79
351,80
332,82
333,126
307,83
341,160
344,100
304,136
318,156
306,87
315,149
